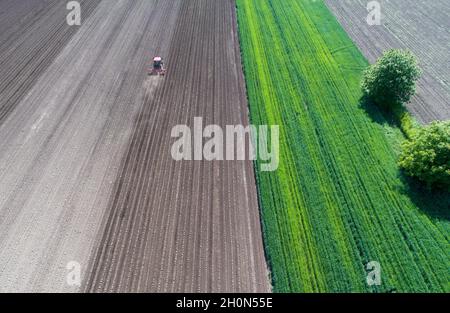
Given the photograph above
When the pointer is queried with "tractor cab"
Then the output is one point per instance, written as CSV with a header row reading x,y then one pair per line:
x,y
157,63
157,67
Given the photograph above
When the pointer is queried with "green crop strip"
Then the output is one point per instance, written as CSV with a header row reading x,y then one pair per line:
x,y
337,200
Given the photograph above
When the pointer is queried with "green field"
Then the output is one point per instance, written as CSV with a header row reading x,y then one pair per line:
x,y
337,200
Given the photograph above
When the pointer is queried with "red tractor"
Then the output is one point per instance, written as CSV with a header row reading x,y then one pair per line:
x,y
157,67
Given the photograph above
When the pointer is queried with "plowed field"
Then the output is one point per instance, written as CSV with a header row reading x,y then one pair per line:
x,y
86,173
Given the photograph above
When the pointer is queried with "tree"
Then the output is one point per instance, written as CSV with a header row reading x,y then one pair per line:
x,y
392,79
426,155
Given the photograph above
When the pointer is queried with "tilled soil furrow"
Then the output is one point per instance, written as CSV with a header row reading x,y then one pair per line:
x,y
188,225
30,45
86,172
63,143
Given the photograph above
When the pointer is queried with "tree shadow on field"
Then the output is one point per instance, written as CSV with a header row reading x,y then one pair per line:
x,y
433,202
382,115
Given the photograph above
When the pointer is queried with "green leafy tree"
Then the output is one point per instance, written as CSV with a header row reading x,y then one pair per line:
x,y
426,155
392,79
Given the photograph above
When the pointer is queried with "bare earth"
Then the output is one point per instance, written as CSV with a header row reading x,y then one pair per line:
x,y
86,173
422,26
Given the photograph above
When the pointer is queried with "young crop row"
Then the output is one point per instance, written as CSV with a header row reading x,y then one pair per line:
x,y
337,200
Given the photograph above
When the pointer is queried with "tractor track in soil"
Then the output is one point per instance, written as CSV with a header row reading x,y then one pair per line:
x,y
186,226
86,173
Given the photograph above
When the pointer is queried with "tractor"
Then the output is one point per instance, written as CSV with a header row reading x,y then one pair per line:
x,y
157,67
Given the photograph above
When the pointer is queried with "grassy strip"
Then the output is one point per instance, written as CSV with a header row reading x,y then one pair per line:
x,y
337,200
